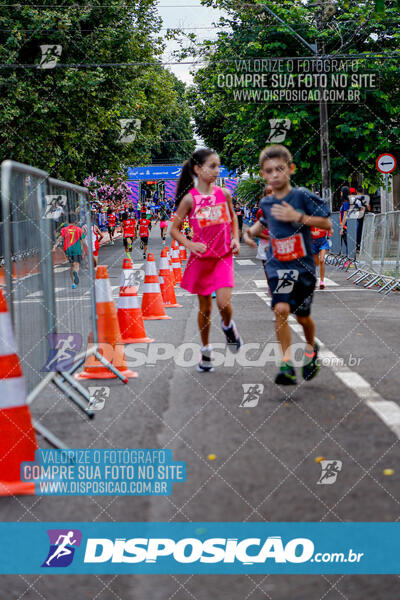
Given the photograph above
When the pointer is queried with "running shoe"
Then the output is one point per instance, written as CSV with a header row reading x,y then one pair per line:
x,y
233,339
286,375
141,245
321,285
76,277
73,286
310,370
144,254
112,243
205,364
213,295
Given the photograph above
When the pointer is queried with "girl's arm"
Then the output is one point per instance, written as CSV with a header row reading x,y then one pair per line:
x,y
235,243
184,209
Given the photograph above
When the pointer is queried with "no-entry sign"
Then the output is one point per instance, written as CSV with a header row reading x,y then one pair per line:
x,y
386,163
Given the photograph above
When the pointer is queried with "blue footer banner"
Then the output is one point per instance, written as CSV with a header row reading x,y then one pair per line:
x,y
212,548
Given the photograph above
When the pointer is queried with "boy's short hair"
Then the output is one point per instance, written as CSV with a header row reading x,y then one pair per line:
x,y
275,151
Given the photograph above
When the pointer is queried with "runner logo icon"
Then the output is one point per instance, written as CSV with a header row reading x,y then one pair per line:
x,y
330,471
251,394
63,347
62,547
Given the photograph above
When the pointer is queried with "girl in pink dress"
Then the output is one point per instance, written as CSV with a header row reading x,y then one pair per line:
x,y
215,240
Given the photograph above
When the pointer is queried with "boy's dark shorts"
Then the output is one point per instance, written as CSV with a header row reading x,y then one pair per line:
x,y
145,239
293,288
126,243
74,258
111,229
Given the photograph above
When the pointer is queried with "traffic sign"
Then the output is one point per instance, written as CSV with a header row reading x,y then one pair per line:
x,y
386,163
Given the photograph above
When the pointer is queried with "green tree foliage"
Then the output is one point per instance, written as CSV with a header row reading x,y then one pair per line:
x,y
67,119
358,132
250,191
176,138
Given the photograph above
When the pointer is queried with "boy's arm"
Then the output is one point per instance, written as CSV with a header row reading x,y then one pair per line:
x,y
287,213
251,232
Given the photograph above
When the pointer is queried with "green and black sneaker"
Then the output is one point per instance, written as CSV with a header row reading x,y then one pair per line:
x,y
286,375
310,370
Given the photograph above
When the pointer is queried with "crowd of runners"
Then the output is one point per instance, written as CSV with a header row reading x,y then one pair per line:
x,y
290,227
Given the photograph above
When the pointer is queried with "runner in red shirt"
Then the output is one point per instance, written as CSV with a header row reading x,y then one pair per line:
x,y
72,246
111,223
144,227
320,244
129,232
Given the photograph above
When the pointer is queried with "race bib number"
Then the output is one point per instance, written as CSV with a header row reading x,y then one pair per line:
x,y
212,215
290,248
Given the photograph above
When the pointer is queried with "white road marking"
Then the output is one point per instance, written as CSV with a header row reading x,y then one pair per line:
x,y
261,283
329,282
40,293
387,411
245,262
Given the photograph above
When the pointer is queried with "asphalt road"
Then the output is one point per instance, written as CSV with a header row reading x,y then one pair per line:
x,y
246,460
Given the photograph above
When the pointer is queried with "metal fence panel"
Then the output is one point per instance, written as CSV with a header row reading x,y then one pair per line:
x,y
75,307
367,241
26,265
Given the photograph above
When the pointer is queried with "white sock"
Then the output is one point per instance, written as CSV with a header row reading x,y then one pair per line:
x,y
226,327
207,348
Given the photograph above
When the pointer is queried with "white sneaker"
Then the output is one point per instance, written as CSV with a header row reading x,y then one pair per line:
x,y
205,364
233,339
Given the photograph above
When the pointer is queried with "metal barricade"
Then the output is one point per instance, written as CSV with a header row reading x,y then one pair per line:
x,y
378,262
39,290
343,250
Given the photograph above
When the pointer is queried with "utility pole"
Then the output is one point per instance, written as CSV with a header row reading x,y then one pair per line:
x,y
318,50
324,123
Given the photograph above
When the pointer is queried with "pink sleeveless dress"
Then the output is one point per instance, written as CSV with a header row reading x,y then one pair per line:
x,y
210,220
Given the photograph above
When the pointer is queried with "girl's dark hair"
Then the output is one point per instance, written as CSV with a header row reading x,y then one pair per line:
x,y
345,192
109,211
186,180
124,216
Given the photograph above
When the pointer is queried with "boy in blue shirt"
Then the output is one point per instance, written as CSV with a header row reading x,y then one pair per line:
x,y
289,214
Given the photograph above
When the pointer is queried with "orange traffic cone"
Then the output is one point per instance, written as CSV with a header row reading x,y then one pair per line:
x,y
176,263
126,274
109,334
152,302
169,256
182,254
17,438
130,317
166,277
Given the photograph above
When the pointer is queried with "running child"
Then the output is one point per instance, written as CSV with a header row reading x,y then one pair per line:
x,y
111,223
163,223
290,268
320,244
128,227
215,240
144,229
